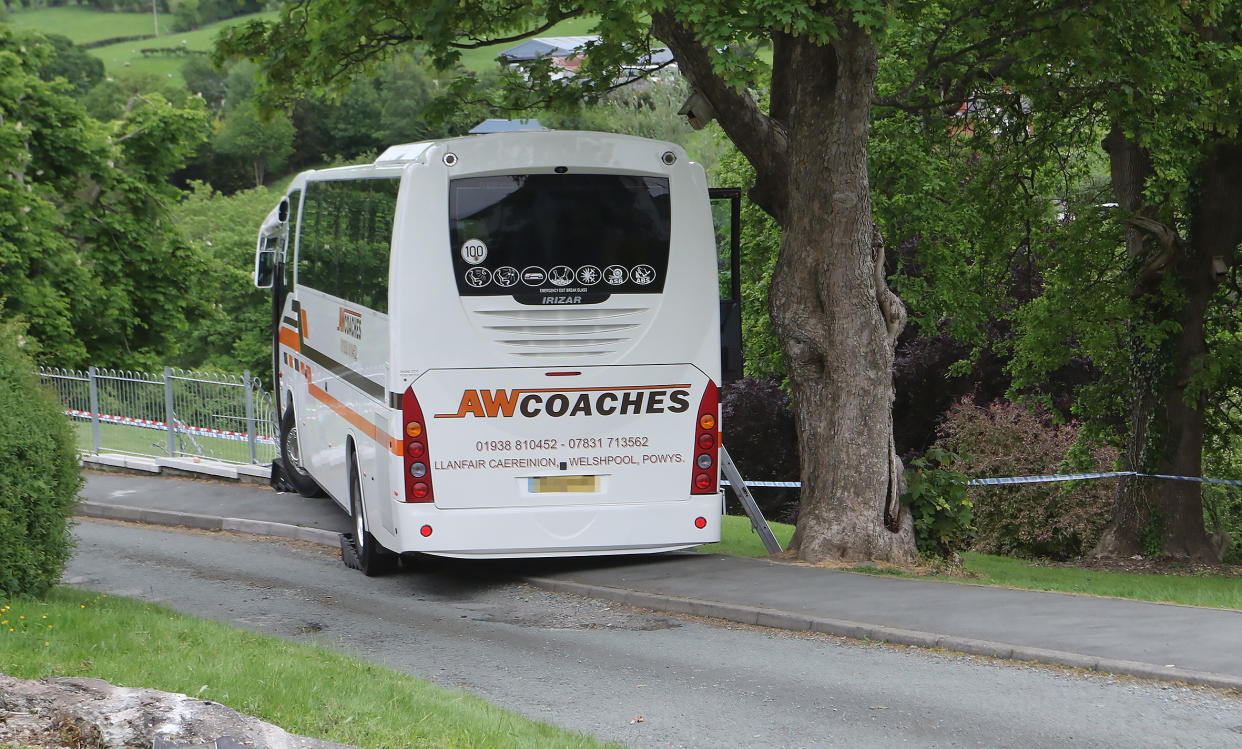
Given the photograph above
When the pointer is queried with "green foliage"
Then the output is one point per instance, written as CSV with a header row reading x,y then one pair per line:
x,y
76,66
250,139
205,80
1151,535
1222,505
1052,520
647,110
109,99
38,263
86,257
143,264
190,14
937,497
235,333
39,476
304,47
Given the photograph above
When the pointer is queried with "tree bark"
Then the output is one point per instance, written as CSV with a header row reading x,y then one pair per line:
x,y
836,318
1130,166
1176,281
1215,232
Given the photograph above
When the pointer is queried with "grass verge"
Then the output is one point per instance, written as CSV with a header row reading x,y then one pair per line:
x,y
739,539
1220,591
304,689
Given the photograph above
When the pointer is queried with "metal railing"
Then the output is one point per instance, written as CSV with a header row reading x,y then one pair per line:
x,y
175,413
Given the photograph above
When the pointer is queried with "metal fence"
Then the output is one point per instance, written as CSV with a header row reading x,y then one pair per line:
x,y
176,413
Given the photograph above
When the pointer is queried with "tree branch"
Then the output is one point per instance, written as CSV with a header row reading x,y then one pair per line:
x,y
762,141
893,311
1170,249
475,42
1003,38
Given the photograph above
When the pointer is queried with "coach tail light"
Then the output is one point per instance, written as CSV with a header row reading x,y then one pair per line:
x,y
706,442
418,487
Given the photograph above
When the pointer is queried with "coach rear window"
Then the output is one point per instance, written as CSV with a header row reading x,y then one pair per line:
x,y
533,235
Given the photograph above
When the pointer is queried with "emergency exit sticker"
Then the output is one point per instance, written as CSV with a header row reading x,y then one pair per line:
x,y
473,251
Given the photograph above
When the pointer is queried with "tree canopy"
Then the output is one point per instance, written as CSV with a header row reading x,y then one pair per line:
x,y
87,258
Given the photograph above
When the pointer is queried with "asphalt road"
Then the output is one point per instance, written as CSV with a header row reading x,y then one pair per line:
x,y
595,667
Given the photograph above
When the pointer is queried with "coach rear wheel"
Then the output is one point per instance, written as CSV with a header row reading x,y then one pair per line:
x,y
291,455
372,558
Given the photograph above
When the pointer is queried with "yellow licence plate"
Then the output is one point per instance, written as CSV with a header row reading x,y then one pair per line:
x,y
563,484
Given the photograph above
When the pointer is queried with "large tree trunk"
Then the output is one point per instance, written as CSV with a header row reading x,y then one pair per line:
x,y
836,319
1175,280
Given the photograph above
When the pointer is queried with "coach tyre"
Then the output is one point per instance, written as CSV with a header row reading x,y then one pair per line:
x,y
373,559
291,454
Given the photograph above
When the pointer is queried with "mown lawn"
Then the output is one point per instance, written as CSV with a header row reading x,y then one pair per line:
x,y
739,539
301,688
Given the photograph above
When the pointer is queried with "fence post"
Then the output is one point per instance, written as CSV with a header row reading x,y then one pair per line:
x,y
250,425
94,391
168,413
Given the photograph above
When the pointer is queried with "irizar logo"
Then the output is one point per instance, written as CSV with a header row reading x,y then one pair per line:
x,y
350,324
530,403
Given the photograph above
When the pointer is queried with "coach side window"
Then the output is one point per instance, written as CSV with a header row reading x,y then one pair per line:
x,y
290,238
345,240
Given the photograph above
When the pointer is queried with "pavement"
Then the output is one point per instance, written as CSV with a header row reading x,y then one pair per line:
x,y
1165,642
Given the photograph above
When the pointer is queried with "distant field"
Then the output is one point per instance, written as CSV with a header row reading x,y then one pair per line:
x,y
84,25
116,56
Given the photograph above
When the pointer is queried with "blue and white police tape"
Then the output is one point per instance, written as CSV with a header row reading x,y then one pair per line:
x,y
1048,479
1010,480
1200,479
772,484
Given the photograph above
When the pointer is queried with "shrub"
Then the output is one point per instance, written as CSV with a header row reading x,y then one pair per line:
x,y
1222,505
39,476
939,503
1053,520
760,436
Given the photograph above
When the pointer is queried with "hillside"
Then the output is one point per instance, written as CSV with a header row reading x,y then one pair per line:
x,y
164,55
161,55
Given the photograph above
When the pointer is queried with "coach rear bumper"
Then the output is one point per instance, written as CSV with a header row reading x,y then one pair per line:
x,y
557,531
